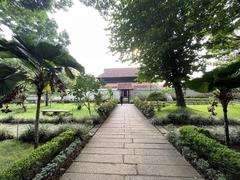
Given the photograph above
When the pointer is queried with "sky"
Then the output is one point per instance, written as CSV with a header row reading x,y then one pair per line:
x,y
89,39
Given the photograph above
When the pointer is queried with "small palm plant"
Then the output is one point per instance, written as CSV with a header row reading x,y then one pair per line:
x,y
43,61
222,81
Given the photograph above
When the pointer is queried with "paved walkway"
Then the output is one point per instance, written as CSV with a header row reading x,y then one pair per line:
x,y
128,147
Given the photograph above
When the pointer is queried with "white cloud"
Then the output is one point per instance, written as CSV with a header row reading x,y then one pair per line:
x,y
89,41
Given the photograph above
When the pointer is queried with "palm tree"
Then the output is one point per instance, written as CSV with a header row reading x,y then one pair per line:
x,y
43,61
222,80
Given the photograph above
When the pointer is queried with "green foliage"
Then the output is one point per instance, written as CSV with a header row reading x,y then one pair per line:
x,y
218,155
145,107
5,134
106,108
44,61
26,167
98,98
202,165
223,80
58,161
225,76
30,19
9,77
156,96
46,134
188,119
85,88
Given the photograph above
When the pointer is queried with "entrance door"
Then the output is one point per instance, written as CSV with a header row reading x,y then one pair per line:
x,y
125,94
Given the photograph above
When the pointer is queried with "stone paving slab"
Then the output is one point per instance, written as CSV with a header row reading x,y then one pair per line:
x,y
117,136
78,176
169,170
123,140
150,141
157,152
169,160
100,158
158,178
107,151
128,147
105,144
148,146
102,168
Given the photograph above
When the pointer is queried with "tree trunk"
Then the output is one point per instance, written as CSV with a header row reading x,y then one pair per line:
x,y
226,128
179,94
46,99
36,132
89,108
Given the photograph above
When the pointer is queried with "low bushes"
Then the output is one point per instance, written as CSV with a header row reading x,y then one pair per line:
x,y
156,96
26,168
145,107
52,120
187,119
218,155
5,134
106,108
46,135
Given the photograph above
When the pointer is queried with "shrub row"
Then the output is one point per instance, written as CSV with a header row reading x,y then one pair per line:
x,y
53,120
187,119
106,108
46,134
218,155
5,134
202,165
26,168
145,107
58,161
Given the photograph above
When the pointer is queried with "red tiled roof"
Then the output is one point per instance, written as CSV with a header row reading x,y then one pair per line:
x,y
133,86
119,72
125,85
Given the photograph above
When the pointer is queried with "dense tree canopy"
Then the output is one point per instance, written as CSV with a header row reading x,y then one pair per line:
x,y
30,19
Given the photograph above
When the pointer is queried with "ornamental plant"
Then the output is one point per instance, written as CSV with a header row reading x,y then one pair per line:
x,y
43,62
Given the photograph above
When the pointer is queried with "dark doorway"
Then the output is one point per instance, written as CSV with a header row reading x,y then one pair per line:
x,y
125,94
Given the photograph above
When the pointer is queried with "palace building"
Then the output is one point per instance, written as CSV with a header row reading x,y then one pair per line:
x,y
123,82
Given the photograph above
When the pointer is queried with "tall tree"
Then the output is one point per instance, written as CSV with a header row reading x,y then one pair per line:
x,y
43,61
161,37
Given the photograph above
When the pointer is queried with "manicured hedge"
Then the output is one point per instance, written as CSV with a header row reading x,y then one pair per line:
x,y
59,161
200,164
218,155
106,108
147,108
26,168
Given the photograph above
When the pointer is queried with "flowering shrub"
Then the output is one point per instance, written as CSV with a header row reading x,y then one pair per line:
x,y
147,108
106,108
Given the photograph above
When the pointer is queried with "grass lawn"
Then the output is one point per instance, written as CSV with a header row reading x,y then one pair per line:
x,y
17,111
201,110
11,150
